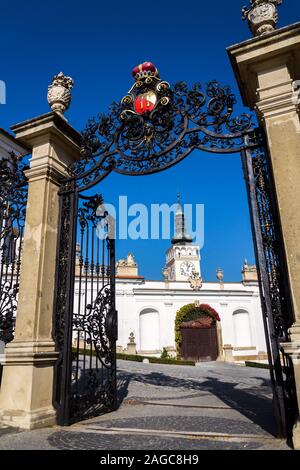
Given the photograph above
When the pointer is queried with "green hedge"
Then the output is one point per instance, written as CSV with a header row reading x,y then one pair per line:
x,y
130,357
258,365
152,360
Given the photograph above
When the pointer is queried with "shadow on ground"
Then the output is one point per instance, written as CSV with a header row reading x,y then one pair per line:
x,y
250,402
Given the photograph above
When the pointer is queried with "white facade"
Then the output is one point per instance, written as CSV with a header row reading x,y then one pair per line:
x,y
148,309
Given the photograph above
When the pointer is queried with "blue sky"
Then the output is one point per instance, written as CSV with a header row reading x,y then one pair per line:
x,y
98,43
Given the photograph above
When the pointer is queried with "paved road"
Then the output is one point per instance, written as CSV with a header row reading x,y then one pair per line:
x,y
214,406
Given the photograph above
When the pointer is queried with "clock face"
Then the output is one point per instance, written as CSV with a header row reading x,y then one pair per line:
x,y
187,269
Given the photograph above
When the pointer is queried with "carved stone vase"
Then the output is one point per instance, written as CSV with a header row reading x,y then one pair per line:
x,y
59,96
262,16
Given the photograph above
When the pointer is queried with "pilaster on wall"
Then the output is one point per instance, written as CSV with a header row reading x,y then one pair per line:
x,y
27,382
267,69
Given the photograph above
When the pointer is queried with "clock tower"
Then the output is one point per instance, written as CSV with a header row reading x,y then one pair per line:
x,y
183,257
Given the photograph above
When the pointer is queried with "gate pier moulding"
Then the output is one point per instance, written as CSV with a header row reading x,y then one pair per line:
x,y
27,381
267,69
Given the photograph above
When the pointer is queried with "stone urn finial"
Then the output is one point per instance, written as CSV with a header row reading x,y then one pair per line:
x,y
220,275
165,273
262,16
59,96
131,337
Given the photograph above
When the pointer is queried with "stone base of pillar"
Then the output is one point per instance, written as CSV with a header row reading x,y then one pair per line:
x,y
296,435
28,420
228,353
131,349
27,385
292,349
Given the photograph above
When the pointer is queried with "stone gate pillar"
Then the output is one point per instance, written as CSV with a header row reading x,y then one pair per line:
x,y
27,382
267,69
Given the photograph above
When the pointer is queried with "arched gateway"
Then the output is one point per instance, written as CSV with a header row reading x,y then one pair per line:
x,y
154,127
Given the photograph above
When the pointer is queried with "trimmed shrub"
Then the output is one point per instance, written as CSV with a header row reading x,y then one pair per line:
x,y
133,358
129,357
165,354
154,360
257,365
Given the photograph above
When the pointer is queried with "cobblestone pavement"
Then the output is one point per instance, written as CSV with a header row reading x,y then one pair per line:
x,y
214,406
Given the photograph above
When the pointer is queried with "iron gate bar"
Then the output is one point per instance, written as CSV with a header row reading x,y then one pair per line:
x,y
272,346
98,374
64,365
274,289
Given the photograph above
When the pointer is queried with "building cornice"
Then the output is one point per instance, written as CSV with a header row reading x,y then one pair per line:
x,y
190,293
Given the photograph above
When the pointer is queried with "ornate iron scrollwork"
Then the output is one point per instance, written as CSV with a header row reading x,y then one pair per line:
x,y
13,198
272,242
96,323
156,125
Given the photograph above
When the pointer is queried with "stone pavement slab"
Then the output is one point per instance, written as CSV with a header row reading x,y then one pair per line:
x,y
216,406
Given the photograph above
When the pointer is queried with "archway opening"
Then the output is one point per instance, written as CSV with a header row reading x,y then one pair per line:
x,y
242,329
149,331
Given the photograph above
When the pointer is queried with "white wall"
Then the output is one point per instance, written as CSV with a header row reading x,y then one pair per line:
x,y
157,330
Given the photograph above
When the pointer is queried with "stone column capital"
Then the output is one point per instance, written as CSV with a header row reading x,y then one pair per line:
x,y
267,66
278,99
54,145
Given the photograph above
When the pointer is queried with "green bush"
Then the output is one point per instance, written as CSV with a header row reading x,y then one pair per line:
x,y
129,357
258,365
154,360
188,313
165,354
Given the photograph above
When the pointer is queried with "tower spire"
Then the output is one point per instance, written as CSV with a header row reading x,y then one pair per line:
x,y
180,236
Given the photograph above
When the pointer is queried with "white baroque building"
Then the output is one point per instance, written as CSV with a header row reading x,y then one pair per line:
x,y
147,309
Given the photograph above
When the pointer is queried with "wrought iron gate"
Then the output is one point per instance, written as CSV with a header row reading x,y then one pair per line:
x,y
13,198
272,269
154,127
86,330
